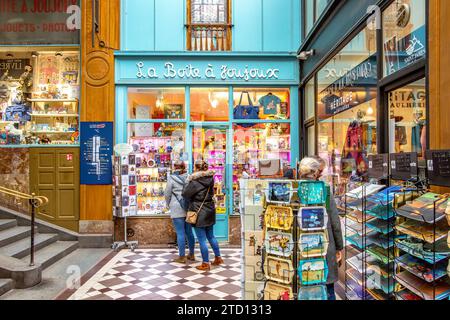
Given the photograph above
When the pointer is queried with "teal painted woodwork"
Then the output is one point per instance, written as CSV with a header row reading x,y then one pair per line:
x,y
258,25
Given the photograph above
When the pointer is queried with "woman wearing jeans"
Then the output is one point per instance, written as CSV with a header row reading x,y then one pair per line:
x,y
199,192
175,185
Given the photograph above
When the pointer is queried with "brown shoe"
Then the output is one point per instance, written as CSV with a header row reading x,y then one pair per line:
x,y
217,261
181,260
204,267
191,258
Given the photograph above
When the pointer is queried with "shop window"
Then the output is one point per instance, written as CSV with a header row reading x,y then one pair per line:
x,y
162,103
156,147
210,145
259,151
39,97
261,104
408,119
209,104
404,34
347,110
310,107
209,25
313,11
311,138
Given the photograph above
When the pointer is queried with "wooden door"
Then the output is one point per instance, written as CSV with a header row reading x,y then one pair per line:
x,y
55,174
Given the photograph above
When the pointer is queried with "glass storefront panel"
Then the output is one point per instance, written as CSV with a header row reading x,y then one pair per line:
x,y
210,145
156,103
310,107
311,134
346,102
39,96
156,146
209,104
404,34
256,146
408,119
268,103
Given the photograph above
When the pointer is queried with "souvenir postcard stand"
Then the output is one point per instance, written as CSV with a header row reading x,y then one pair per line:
x,y
279,252
423,251
124,195
312,241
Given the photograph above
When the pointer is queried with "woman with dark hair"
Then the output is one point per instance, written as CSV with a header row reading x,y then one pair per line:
x,y
175,202
199,191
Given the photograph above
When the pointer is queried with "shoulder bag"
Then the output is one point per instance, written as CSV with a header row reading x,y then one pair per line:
x,y
192,216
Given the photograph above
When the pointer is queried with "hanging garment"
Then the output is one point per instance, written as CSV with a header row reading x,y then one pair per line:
x,y
270,104
354,146
416,135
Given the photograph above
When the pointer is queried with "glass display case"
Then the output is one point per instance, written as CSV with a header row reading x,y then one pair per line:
x,y
39,98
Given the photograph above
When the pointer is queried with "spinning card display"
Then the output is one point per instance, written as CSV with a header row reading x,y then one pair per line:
x,y
313,245
279,192
279,244
313,218
438,167
313,272
312,193
279,270
253,243
275,291
314,293
124,189
281,218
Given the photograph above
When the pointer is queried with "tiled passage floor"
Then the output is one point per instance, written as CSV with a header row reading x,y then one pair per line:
x,y
151,275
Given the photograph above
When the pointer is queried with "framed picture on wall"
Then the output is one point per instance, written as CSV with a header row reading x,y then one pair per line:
x,y
174,111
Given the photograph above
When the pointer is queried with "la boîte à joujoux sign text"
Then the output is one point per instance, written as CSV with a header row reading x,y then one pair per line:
x,y
189,71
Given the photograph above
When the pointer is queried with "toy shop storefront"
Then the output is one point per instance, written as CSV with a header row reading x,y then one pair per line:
x,y
39,108
239,114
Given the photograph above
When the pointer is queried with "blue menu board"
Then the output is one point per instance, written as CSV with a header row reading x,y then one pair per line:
x,y
96,139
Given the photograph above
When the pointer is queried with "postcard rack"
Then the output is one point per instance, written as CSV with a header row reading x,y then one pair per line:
x,y
423,250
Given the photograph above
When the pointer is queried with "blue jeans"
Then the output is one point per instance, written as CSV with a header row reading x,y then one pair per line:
x,y
331,292
184,230
204,234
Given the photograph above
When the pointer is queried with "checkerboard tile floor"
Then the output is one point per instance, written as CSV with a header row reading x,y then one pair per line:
x,y
150,274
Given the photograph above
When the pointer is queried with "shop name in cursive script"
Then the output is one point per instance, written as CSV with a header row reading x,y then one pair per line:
x,y
171,71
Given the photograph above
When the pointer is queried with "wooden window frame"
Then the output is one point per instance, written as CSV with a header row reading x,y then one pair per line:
x,y
227,26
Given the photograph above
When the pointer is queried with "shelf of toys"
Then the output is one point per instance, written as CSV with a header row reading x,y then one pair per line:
x,y
39,105
210,145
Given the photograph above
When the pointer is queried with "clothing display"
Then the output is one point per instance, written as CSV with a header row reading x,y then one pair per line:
x,y
355,145
270,104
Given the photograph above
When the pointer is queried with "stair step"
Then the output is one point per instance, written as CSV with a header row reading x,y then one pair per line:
x,y
7,224
12,235
5,285
52,253
21,248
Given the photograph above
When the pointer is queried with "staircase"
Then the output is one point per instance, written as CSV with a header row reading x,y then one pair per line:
x,y
15,243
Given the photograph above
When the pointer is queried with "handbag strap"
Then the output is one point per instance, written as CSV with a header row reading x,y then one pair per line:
x,y
204,200
248,97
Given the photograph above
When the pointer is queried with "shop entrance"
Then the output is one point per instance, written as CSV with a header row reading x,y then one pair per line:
x,y
210,144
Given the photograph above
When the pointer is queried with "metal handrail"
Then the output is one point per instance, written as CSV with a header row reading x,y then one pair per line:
x,y
35,202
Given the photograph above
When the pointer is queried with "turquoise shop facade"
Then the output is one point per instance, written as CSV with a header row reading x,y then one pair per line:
x,y
153,55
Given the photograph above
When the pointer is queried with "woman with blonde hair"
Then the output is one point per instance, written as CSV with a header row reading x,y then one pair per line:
x,y
311,169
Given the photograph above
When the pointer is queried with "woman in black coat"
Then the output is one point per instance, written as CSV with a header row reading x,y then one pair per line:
x,y
199,191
